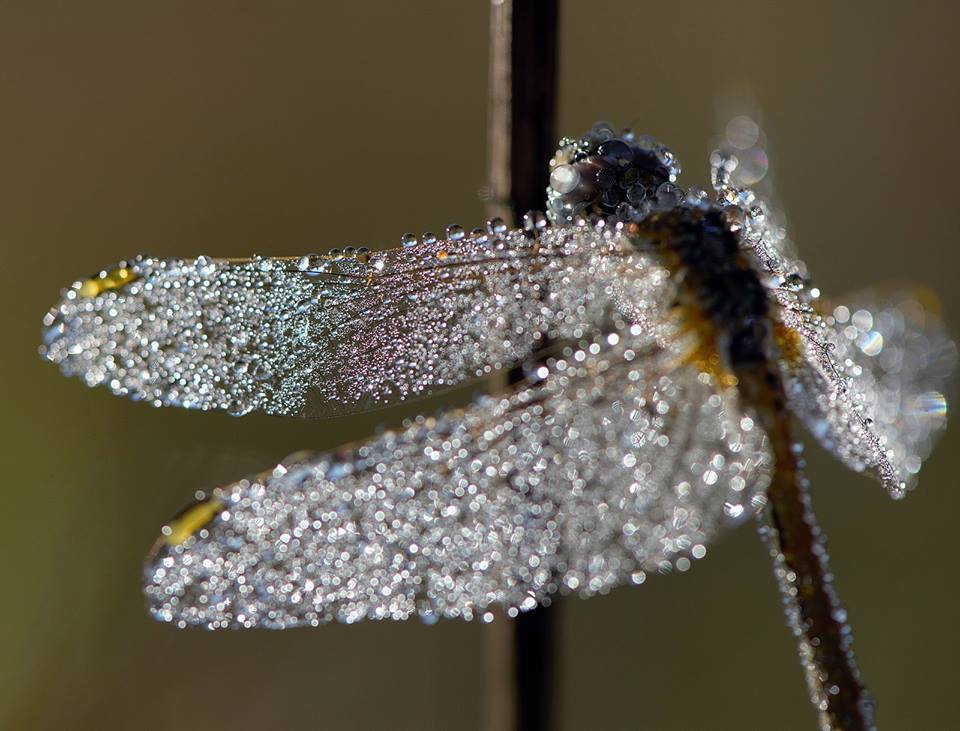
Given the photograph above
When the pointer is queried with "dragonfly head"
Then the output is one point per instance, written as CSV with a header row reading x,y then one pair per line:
x,y
610,175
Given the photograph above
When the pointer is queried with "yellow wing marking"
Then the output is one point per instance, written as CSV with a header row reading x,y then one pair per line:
x,y
107,281
191,520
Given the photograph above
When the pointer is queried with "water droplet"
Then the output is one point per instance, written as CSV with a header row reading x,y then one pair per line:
x,y
534,221
793,282
742,132
616,151
733,510
205,266
496,226
303,263
564,179
454,232
606,177
636,193
261,372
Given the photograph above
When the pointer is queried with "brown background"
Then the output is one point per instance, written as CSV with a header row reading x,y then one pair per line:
x,y
231,128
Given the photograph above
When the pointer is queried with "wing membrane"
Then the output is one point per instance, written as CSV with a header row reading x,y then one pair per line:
x,y
871,381
740,177
616,464
869,377
321,337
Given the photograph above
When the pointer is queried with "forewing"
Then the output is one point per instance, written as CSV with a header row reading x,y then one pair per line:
x,y
617,463
871,379
324,336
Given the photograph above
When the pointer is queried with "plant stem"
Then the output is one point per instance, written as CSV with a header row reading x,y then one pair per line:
x,y
523,82
521,138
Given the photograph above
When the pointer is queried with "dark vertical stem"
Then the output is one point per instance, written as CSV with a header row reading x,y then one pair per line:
x,y
523,78
534,639
533,138
533,51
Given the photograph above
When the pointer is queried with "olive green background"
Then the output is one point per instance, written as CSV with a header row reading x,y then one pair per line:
x,y
279,128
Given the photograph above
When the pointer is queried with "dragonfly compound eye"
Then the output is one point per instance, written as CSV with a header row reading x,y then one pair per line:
x,y
611,175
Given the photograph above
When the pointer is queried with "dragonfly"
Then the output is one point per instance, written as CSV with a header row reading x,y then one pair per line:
x,y
653,345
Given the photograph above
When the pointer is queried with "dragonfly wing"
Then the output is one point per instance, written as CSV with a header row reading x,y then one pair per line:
x,y
740,175
871,381
321,337
616,464
868,377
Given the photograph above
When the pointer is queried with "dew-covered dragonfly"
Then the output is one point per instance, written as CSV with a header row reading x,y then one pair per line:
x,y
657,340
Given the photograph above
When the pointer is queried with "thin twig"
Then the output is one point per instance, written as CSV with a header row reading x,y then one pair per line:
x,y
499,110
501,701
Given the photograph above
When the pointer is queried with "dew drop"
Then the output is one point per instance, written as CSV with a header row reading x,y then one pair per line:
x,y
496,226
564,179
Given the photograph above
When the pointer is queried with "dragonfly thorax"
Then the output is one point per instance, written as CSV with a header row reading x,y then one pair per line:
x,y
719,282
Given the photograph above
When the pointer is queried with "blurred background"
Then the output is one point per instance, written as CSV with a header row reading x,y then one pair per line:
x,y
228,128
